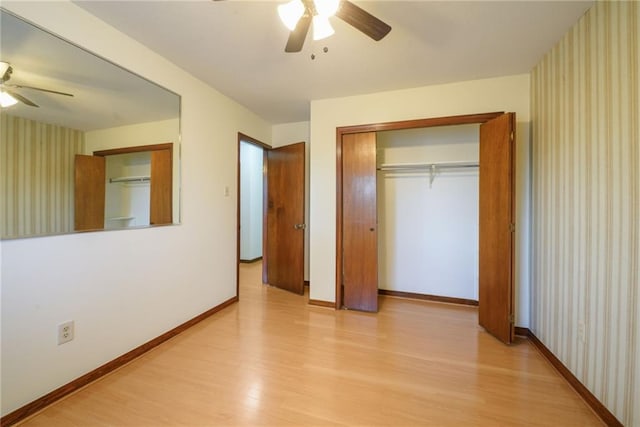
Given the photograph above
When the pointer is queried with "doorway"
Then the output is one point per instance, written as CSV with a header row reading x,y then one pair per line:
x,y
356,243
270,205
427,191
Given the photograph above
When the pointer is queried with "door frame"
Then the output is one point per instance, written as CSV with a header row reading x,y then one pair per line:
x,y
246,138
377,127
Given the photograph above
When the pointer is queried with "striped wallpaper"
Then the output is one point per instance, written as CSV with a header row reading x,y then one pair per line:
x,y
36,177
585,292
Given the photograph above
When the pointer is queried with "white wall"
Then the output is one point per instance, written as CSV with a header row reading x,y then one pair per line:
x,y
291,133
428,230
126,287
509,93
251,205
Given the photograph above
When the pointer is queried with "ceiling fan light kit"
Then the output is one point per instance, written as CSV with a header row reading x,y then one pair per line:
x,y
290,13
6,100
321,27
326,8
297,16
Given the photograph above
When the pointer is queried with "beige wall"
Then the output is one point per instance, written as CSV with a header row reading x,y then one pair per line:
x,y
509,93
586,204
36,179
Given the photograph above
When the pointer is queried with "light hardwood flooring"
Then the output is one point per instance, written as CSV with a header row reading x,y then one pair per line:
x,y
273,360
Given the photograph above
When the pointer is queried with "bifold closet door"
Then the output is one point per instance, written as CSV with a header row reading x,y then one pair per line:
x,y
89,192
359,222
496,233
161,205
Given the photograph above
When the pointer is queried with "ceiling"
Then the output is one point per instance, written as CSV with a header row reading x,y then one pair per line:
x,y
238,46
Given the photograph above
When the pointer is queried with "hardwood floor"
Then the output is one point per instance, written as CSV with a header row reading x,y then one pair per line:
x,y
272,359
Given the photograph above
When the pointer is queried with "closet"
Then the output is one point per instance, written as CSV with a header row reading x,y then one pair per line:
x,y
363,240
427,212
124,187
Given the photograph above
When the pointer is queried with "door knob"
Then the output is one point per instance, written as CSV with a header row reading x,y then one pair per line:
x,y
300,226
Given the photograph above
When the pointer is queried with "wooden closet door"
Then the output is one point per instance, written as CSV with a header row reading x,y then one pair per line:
x,y
161,209
89,192
496,307
359,222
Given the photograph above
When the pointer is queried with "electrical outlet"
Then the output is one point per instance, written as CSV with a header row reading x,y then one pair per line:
x,y
65,332
581,332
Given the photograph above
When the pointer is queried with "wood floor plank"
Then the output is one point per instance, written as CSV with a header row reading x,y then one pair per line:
x,y
274,360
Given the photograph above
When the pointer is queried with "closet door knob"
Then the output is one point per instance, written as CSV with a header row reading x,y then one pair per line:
x,y
371,229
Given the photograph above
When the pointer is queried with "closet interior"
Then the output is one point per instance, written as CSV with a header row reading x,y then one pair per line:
x,y
427,211
128,190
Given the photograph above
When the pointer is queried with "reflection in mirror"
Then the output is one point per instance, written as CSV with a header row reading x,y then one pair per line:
x,y
71,108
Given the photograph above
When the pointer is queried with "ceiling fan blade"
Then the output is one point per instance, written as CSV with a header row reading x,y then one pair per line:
x,y
22,99
297,36
362,20
41,89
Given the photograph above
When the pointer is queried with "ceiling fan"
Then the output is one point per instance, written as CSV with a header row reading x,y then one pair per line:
x,y
298,15
8,96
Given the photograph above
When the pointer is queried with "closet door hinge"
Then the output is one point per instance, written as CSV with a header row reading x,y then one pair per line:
x,y
512,318
511,136
512,227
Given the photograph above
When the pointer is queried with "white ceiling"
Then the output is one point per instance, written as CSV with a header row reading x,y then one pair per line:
x,y
238,46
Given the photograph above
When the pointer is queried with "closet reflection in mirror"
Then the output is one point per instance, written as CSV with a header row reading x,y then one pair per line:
x,y
112,113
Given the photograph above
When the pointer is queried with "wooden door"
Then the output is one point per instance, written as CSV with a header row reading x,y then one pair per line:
x,y
359,222
161,209
284,235
496,227
89,192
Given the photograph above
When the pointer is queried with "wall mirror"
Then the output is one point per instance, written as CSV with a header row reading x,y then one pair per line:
x,y
86,145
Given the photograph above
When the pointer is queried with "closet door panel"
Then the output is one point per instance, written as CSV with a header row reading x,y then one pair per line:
x,y
161,209
89,192
359,216
496,227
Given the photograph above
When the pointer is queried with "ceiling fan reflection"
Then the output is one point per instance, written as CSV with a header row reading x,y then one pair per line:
x,y
8,95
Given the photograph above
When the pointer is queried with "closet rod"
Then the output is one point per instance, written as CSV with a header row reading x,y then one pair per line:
x,y
427,166
131,179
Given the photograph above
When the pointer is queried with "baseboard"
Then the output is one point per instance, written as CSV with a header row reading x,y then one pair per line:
x,y
249,261
593,402
427,297
321,303
522,332
57,394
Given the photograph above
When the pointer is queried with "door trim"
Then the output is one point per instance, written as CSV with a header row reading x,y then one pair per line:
x,y
246,138
376,127
136,149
